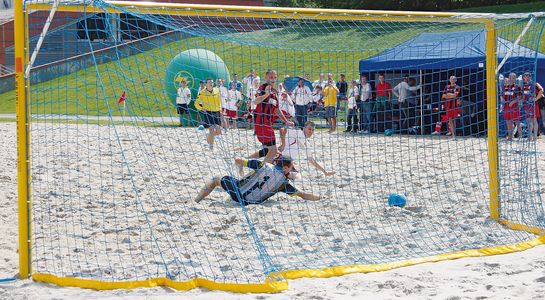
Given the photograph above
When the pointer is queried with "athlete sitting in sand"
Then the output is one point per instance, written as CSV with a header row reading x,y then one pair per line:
x,y
266,181
295,141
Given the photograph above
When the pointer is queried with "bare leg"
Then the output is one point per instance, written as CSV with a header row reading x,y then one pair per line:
x,y
509,130
210,136
519,129
271,154
209,186
217,130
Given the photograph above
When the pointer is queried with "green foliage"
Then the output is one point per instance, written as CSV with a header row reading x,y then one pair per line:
x,y
418,5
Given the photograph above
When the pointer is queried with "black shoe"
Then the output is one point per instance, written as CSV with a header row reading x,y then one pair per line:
x,y
347,130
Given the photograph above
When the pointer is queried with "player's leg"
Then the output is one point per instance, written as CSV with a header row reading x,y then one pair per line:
x,y
209,186
509,129
530,122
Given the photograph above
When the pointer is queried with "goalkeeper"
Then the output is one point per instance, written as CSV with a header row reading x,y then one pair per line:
x,y
294,143
266,181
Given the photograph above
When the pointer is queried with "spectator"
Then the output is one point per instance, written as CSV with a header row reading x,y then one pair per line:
x,y
285,103
234,99
353,96
250,100
384,95
201,87
412,100
237,83
364,105
403,91
329,78
223,97
342,86
303,96
531,109
209,104
330,103
248,81
317,100
183,98
319,82
511,112
452,104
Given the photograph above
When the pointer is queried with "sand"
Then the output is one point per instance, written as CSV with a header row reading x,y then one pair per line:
x,y
133,215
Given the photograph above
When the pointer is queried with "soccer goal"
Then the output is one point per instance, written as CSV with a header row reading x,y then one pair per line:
x,y
378,139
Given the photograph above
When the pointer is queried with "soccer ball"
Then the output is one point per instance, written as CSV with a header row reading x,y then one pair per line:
x,y
398,200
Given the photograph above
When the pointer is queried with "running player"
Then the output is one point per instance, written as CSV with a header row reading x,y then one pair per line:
x,y
266,181
266,112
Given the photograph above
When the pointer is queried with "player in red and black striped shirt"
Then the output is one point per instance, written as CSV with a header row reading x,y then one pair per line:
x,y
511,111
531,92
452,104
265,113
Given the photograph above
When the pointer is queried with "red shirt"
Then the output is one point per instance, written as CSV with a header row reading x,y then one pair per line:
x,y
511,93
527,89
452,89
384,89
265,112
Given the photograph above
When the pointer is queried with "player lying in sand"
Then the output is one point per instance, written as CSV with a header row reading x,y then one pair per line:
x,y
266,181
295,142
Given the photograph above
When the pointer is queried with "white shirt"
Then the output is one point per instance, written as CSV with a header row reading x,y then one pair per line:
x,y
223,96
365,92
296,144
232,99
285,104
353,94
303,95
401,90
251,94
316,97
183,96
248,81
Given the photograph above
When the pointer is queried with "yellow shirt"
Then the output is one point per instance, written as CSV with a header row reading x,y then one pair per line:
x,y
330,95
209,100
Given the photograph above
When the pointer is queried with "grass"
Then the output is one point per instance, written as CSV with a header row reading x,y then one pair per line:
x,y
315,47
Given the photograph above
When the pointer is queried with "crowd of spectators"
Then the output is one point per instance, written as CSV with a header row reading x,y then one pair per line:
x,y
374,105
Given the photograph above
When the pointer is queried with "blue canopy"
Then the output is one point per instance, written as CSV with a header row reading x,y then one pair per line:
x,y
451,50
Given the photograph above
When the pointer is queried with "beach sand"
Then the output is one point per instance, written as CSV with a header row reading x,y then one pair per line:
x,y
116,203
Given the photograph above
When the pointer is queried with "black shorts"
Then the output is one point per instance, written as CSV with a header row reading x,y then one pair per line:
x,y
230,185
182,109
210,118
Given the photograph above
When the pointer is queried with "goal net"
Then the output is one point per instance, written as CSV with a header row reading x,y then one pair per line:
x,y
136,108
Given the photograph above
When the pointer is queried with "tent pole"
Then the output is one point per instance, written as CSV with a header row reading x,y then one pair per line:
x,y
421,103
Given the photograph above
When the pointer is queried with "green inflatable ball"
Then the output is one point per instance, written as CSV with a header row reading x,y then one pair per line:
x,y
193,65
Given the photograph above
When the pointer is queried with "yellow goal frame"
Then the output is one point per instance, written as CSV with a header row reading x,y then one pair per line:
x,y
23,138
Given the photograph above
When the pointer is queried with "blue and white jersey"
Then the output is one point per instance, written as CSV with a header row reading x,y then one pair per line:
x,y
267,180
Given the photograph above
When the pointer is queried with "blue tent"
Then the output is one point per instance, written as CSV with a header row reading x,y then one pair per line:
x,y
452,50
